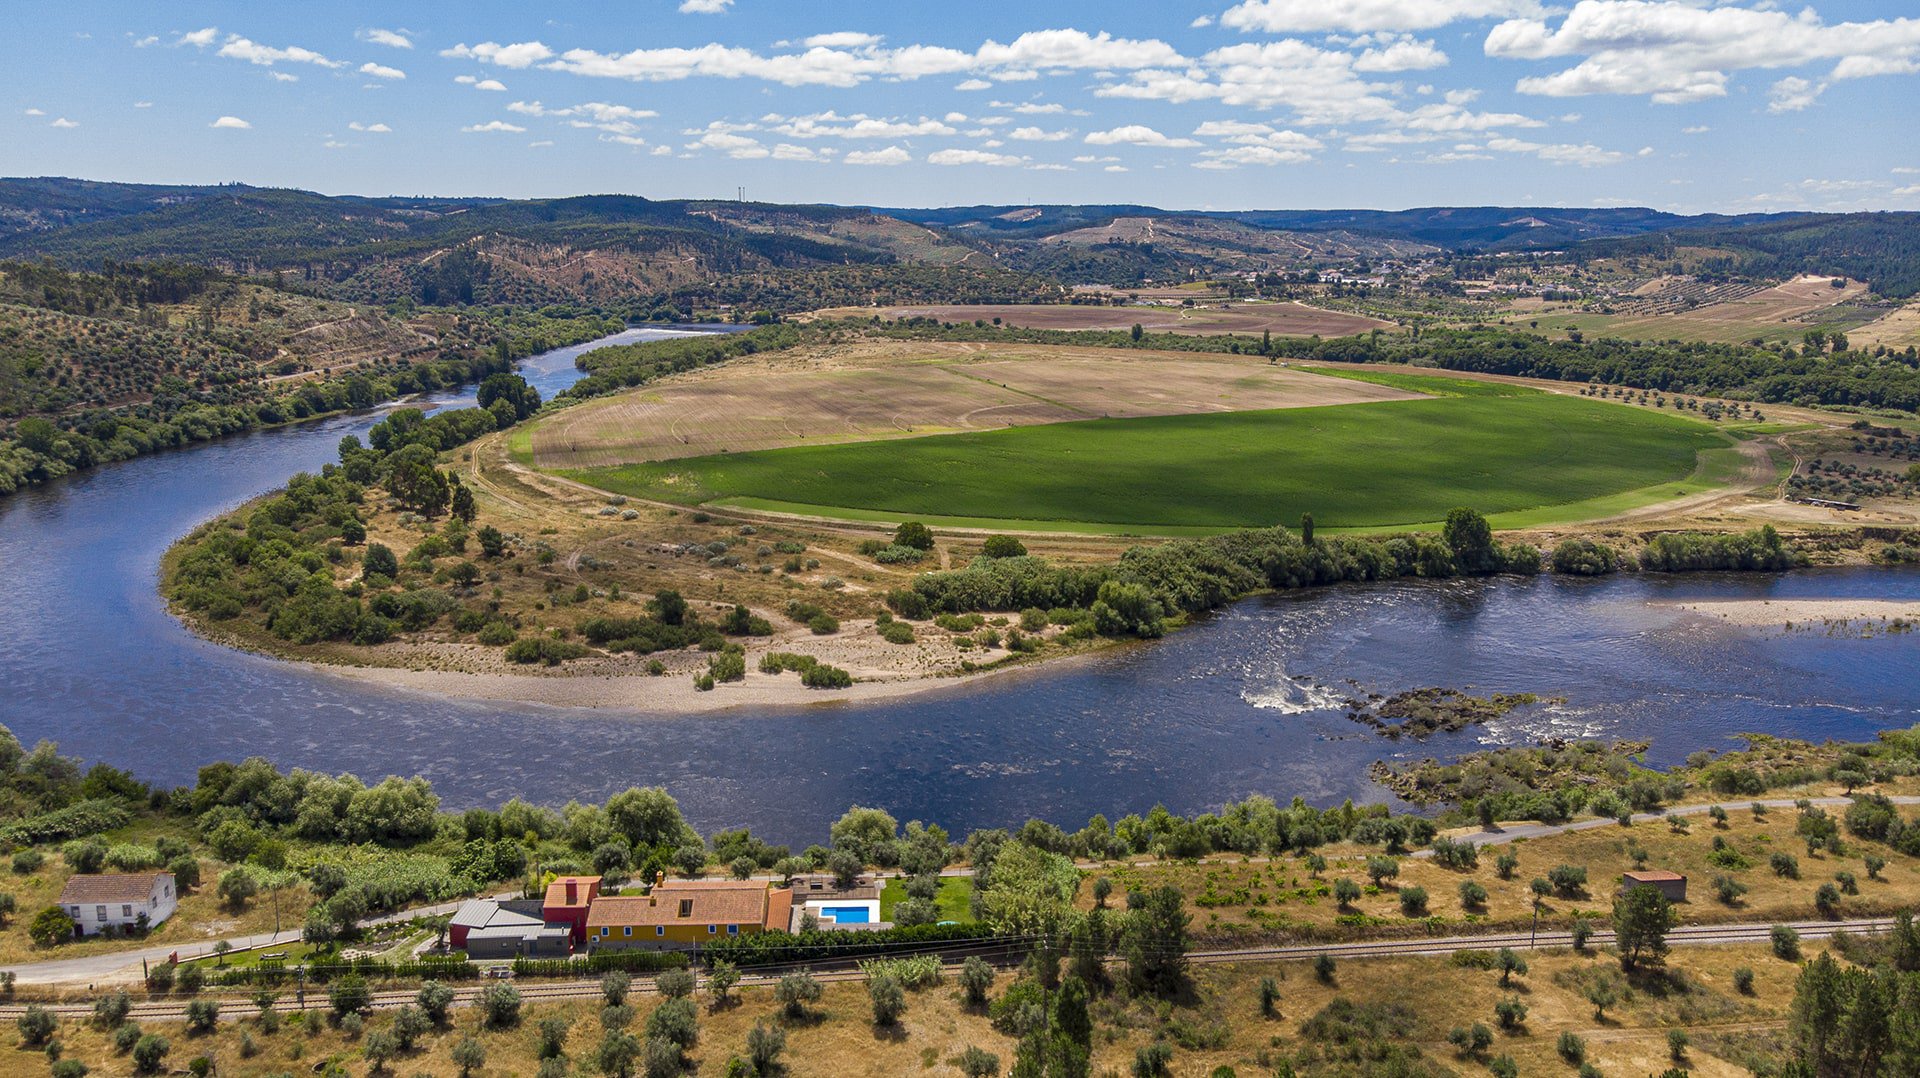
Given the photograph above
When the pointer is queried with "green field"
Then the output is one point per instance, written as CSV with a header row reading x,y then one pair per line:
x,y
1506,450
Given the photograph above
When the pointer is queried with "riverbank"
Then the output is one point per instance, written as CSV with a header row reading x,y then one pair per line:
x,y
1806,613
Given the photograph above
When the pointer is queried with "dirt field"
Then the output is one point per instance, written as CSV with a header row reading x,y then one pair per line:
x,y
1282,319
1899,329
888,389
1783,312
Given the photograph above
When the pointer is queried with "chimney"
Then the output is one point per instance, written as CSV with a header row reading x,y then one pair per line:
x,y
571,892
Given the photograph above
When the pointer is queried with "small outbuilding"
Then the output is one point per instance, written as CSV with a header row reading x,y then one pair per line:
x,y
1671,885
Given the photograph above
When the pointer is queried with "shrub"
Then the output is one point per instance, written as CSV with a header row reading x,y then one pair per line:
x,y
1743,980
202,1014
1004,546
1413,901
976,980
1572,1047
37,1025
913,534
350,995
1786,942
888,998
764,1045
1568,880
50,926
1785,865
795,991
674,1022
1472,895
149,1052
1511,1013
435,998
27,862
500,1005
675,983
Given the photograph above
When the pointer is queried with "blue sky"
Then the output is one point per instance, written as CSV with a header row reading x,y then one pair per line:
x,y
1688,105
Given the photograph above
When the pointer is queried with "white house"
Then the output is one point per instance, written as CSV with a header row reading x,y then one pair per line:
x,y
118,901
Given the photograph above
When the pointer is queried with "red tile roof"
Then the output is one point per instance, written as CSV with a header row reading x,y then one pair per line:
x,y
584,888
1654,875
707,902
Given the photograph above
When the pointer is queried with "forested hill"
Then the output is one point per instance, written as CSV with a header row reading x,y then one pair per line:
x,y
1882,249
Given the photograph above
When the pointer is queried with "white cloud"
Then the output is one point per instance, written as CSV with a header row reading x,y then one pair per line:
x,y
1037,134
1200,22
1360,16
1907,192
143,104
492,126
240,48
1116,168
522,55
973,157
620,121
1401,56
974,84
1697,129
892,155
1251,155
64,123
381,71
704,7
200,38
1137,135
843,39
721,136
1586,155
1677,51
1090,159
233,123
146,42
857,126
283,76
1025,57
35,112
1792,94
371,129
787,151
397,39
1243,133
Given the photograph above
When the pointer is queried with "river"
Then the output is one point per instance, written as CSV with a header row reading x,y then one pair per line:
x,y
1244,702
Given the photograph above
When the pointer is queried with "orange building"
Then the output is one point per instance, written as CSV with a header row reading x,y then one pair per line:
x,y
686,913
567,900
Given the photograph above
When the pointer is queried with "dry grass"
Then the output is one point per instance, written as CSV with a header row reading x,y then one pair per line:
x,y
888,389
1782,312
1218,1024
1244,900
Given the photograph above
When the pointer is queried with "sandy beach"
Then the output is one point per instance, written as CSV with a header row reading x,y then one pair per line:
x,y
1796,613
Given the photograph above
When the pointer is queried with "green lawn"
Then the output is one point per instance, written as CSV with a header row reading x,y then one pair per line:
x,y
1499,448
955,900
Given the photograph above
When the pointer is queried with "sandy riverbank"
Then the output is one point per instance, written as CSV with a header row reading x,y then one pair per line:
x,y
621,683
1798,613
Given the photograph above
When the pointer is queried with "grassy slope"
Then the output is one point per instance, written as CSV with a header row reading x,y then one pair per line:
x,y
1503,449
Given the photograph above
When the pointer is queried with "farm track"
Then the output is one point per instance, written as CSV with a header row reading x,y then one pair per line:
x,y
1012,950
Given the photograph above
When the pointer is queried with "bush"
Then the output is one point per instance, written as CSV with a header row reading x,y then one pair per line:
x,y
888,998
913,534
149,1052
976,980
500,1005
1004,546
1785,865
202,1015
1786,942
1743,980
795,991
28,862
37,1025
1572,1047
1473,896
1413,901
764,1044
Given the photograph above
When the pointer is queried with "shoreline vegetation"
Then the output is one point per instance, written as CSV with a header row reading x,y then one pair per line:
x,y
387,568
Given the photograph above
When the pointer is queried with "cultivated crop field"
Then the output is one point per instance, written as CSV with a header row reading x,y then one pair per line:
x,y
1281,319
902,390
1497,447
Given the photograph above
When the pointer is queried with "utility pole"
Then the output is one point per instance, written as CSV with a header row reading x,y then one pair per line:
x,y
1533,943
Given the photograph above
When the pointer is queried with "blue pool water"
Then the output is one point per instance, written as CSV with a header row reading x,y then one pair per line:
x,y
845,915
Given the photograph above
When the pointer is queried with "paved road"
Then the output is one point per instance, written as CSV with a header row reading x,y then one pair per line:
x,y
121,966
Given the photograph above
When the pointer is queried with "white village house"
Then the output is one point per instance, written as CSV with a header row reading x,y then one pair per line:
x,y
118,901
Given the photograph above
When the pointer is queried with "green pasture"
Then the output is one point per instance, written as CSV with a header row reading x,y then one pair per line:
x,y
1519,455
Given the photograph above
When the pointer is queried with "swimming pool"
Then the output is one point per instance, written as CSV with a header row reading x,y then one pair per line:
x,y
845,915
